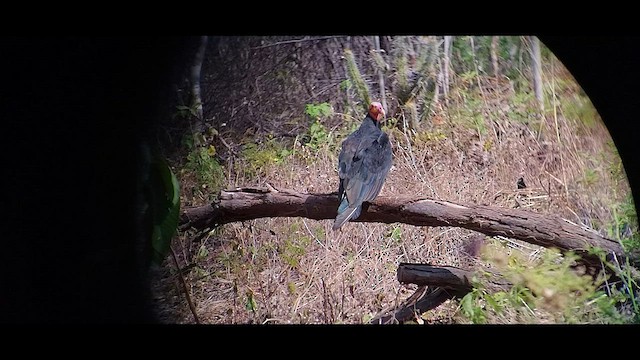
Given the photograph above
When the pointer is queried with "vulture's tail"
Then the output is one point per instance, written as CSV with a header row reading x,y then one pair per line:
x,y
344,216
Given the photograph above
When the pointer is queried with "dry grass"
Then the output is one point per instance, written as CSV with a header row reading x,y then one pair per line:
x,y
298,271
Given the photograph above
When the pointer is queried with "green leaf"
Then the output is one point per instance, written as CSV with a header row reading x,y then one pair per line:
x,y
491,301
251,304
166,230
165,204
467,304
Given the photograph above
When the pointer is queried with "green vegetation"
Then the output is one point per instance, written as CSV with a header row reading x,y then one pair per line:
x,y
429,137
251,304
469,111
625,225
186,112
552,288
590,177
357,81
546,289
624,228
257,157
522,108
580,108
294,247
202,162
318,111
318,136
294,250
201,257
395,233
160,202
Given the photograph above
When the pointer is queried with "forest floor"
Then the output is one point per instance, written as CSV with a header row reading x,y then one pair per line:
x,y
472,150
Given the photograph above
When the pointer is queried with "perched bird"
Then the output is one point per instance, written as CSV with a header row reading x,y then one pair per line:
x,y
363,164
521,184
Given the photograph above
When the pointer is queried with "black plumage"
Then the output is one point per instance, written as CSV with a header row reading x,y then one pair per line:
x,y
521,184
363,164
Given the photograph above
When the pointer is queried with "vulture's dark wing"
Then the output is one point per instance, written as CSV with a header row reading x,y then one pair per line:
x,y
363,164
368,170
345,160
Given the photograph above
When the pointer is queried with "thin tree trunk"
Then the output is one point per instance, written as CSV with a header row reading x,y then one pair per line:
x,y
537,70
543,230
494,56
194,79
383,98
447,62
440,77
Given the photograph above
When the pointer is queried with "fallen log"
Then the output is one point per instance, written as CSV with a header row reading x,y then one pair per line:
x,y
437,284
544,230
444,276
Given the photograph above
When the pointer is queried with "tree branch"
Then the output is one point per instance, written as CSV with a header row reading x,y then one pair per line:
x,y
443,276
425,298
545,230
306,38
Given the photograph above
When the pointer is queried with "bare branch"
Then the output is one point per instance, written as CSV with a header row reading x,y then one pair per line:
x,y
184,287
296,41
544,230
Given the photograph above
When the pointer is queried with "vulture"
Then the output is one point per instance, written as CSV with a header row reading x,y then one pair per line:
x,y
363,164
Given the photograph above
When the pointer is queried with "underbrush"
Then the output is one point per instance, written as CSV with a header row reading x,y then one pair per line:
x,y
474,149
546,287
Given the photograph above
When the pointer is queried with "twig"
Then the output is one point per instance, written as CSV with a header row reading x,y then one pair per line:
x,y
231,150
576,215
527,307
184,285
271,188
555,178
295,41
513,244
313,235
326,88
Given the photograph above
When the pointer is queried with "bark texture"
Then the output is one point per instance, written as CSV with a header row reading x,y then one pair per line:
x,y
544,230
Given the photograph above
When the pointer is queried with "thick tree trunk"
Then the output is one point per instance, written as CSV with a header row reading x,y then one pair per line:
x,y
544,230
